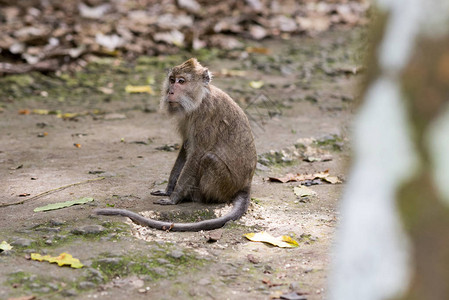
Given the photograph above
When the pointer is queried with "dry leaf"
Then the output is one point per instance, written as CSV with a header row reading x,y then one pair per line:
x,y
60,205
256,84
258,50
281,241
24,112
61,260
303,191
23,298
4,246
230,73
139,89
303,177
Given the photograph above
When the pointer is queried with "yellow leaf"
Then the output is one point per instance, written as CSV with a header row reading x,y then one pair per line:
x,y
282,241
41,111
61,260
4,246
289,240
303,191
139,89
237,73
66,116
256,84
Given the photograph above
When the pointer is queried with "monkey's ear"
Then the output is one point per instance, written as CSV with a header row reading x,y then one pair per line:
x,y
207,76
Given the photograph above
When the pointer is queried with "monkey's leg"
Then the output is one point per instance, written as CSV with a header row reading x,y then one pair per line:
x,y
174,174
186,183
216,184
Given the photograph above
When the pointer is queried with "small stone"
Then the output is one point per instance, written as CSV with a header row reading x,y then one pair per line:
x,y
294,286
22,242
214,235
261,167
162,261
69,293
253,259
94,275
56,222
49,242
86,285
43,290
35,286
49,229
53,286
176,254
88,229
110,260
159,271
204,281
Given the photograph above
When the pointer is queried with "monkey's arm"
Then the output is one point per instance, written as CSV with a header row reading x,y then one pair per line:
x,y
174,174
186,181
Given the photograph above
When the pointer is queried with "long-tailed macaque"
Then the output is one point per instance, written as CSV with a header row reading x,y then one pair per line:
x,y
217,159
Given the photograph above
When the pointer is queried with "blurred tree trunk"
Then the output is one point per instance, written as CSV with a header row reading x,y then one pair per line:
x,y
424,200
393,240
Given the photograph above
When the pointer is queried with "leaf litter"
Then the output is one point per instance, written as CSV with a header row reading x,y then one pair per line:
x,y
51,37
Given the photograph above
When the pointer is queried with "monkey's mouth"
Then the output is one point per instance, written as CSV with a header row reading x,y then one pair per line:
x,y
173,104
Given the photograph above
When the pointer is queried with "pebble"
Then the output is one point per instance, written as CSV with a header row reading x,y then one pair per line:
x,y
110,260
162,261
88,229
94,275
159,271
176,254
85,285
204,281
69,293
22,242
56,222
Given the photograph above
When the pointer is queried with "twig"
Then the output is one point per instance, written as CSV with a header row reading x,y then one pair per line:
x,y
51,191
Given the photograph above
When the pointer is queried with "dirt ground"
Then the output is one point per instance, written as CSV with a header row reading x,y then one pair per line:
x,y
306,100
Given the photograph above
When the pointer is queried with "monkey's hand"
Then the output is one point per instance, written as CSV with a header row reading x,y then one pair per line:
x,y
160,193
164,202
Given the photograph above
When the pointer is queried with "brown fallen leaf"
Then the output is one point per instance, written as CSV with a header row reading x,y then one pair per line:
x,y
271,284
303,177
258,50
23,298
24,112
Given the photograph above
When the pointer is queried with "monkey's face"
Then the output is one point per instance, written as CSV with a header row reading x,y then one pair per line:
x,y
178,97
185,87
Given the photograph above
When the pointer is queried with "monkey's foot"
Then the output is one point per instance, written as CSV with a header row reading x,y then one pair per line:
x,y
159,193
164,202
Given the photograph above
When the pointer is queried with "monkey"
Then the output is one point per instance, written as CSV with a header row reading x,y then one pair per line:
x,y
217,159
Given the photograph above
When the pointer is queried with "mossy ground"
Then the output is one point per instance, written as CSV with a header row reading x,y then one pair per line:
x,y
307,93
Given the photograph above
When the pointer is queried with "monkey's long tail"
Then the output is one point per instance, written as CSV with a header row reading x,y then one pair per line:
x,y
240,205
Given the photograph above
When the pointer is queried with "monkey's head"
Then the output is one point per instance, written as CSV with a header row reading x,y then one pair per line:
x,y
185,87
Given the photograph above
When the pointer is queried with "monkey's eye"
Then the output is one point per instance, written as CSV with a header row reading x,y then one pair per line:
x,y
181,80
172,80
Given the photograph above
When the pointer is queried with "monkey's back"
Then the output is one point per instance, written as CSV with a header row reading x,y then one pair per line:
x,y
219,126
